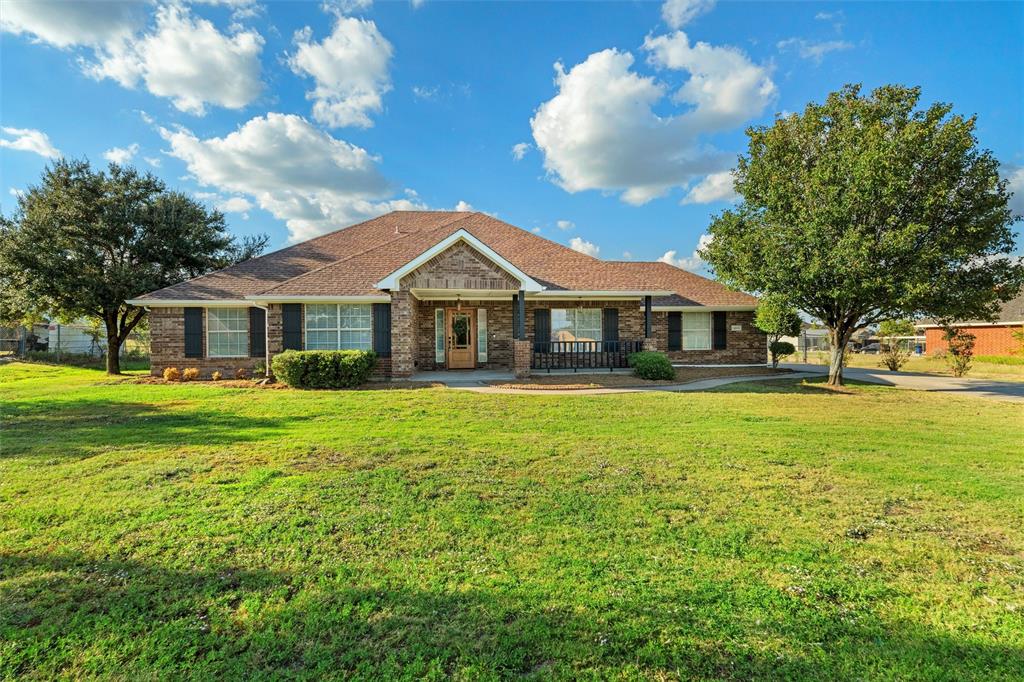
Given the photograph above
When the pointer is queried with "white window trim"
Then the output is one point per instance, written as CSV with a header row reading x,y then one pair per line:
x,y
338,329
439,335
247,332
711,330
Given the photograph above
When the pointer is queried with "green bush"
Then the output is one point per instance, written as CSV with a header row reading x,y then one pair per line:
x,y
650,365
779,350
323,368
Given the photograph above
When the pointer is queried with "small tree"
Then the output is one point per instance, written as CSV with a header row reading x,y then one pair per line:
x,y
864,208
960,349
779,350
777,318
83,242
894,354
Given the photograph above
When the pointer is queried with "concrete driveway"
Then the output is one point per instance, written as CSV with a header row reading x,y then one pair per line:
x,y
981,388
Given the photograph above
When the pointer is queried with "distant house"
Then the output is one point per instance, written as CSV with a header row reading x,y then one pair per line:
x,y
990,338
438,290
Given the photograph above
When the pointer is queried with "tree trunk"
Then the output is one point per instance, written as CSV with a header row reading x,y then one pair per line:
x,y
113,343
838,340
775,361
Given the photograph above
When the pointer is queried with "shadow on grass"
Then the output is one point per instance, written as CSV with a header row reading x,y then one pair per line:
x,y
796,385
81,616
74,429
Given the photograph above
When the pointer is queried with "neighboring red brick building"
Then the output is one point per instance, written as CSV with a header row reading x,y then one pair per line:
x,y
991,338
429,290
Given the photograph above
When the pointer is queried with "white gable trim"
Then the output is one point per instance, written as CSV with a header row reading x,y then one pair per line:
x,y
392,281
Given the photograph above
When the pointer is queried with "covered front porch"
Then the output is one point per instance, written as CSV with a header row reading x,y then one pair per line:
x,y
459,330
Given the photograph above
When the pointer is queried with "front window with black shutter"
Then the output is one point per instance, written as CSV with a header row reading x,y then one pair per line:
x,y
193,332
696,331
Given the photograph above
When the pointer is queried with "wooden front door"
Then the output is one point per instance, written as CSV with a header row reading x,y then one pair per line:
x,y
461,326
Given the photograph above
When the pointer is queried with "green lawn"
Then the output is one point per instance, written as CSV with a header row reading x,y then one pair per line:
x,y
772,530
1000,368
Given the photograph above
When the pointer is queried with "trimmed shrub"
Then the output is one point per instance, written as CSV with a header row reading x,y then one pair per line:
x,y
190,374
172,374
652,366
324,368
779,350
216,376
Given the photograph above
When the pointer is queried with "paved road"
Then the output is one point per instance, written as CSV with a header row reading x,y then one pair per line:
x,y
981,388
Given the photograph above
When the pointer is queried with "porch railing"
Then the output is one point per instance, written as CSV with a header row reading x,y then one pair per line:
x,y
577,355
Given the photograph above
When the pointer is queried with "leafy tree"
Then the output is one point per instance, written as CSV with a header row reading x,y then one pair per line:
x,y
863,209
82,242
894,354
777,318
960,349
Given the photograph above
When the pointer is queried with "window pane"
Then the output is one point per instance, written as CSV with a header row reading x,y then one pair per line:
x,y
322,316
355,340
228,333
576,324
321,340
696,331
356,316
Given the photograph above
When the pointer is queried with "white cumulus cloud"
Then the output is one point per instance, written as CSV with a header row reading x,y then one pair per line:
x,y
28,140
66,24
464,207
519,150
714,187
349,68
235,205
565,224
121,154
693,262
600,131
583,246
188,60
298,173
678,13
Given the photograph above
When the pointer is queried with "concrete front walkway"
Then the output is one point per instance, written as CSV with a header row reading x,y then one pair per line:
x,y
918,381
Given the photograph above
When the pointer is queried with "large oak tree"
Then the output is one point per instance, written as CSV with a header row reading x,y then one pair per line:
x,y
83,242
865,208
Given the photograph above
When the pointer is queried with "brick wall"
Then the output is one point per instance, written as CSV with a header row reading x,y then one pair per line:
x,y
167,345
991,340
746,347
460,267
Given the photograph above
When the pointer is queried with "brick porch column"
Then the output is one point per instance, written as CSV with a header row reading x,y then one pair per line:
x,y
402,333
521,358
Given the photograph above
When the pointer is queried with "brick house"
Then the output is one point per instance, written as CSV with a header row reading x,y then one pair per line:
x,y
432,290
990,337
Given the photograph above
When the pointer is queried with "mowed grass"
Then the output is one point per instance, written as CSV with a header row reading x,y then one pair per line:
x,y
761,531
999,368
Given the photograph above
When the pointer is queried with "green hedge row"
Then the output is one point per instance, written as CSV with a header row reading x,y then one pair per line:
x,y
324,368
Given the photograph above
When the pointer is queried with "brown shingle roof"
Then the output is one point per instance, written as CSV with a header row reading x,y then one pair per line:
x,y
350,261
1011,311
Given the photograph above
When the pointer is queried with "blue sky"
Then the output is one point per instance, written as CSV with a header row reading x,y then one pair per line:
x,y
297,118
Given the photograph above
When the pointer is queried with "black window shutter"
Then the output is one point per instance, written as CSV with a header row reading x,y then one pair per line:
x,y
718,330
610,325
541,329
193,332
382,329
291,323
675,331
257,332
